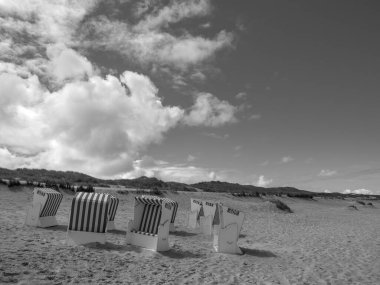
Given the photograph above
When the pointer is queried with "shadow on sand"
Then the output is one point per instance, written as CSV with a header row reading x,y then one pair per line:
x,y
180,254
182,234
257,252
58,228
117,232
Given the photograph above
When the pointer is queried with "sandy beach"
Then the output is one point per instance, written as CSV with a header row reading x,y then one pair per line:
x,y
322,242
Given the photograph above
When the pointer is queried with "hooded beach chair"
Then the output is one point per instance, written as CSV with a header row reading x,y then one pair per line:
x,y
210,217
44,207
175,209
88,218
227,233
196,212
113,204
150,225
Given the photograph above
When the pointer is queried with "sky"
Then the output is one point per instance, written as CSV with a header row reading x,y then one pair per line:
x,y
266,93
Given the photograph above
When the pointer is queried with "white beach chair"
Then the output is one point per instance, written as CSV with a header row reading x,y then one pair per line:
x,y
196,211
227,233
44,207
150,225
210,217
88,218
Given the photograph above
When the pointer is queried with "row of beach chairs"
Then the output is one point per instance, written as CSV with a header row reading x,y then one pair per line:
x,y
93,214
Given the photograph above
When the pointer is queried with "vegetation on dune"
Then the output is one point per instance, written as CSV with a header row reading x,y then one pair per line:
x,y
281,205
67,180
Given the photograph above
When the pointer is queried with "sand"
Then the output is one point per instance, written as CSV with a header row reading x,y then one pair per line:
x,y
322,242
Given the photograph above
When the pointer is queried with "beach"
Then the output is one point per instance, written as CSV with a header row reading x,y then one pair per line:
x,y
323,242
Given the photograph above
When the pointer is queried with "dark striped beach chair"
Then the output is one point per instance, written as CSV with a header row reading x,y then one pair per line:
x,y
112,209
89,216
150,226
44,208
175,209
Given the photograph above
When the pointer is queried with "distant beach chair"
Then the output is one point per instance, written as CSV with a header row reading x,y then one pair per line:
x,y
113,205
196,212
210,217
88,218
175,209
44,207
150,225
227,233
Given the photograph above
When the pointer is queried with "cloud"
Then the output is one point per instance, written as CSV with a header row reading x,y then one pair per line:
x,y
327,172
287,159
255,117
241,95
179,173
151,39
263,182
217,136
210,111
191,158
96,126
58,112
66,64
358,191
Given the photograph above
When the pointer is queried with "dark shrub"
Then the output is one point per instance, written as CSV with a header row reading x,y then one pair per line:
x,y
281,205
360,202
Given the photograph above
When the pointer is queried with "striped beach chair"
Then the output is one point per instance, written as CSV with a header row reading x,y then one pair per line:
x,y
175,209
88,218
150,225
196,212
114,203
44,208
227,233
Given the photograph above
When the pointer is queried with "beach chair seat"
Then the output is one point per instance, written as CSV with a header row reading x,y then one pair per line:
x,y
42,212
150,225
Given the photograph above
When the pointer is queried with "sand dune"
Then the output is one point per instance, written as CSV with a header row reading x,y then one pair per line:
x,y
322,242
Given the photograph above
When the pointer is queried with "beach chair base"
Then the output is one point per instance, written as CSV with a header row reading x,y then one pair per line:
x,y
78,237
206,225
193,222
33,218
149,241
111,226
225,239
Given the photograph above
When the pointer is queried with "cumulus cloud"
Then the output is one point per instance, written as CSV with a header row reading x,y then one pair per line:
x,y
179,173
263,182
208,110
97,126
358,191
327,172
58,112
241,95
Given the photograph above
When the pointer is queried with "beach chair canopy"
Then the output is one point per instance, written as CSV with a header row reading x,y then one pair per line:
x,y
89,212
